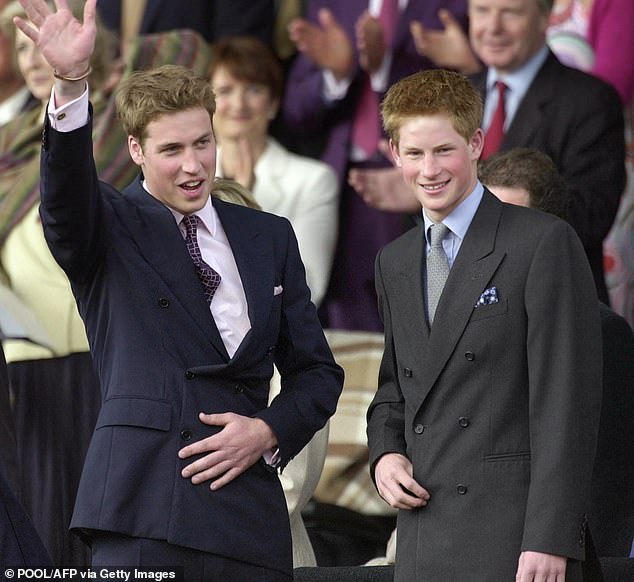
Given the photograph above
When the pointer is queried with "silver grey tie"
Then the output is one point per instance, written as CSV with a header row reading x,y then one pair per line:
x,y
437,268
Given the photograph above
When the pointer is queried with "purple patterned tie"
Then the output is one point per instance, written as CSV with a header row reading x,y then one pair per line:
x,y
208,277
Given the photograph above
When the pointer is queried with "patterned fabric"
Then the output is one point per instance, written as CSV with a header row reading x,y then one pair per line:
x,y
345,480
208,277
489,297
437,268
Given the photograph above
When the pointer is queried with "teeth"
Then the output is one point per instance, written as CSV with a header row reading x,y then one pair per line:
x,y
437,187
192,184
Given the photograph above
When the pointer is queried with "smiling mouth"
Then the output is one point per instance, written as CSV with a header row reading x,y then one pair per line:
x,y
434,187
191,186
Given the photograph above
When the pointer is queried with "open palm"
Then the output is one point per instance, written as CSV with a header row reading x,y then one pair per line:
x,y
65,42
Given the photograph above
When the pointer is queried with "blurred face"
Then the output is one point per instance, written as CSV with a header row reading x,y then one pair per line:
x,y
38,75
438,164
243,108
512,195
506,33
178,159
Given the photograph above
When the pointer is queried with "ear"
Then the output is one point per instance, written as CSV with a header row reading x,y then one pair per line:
x,y
476,143
136,151
395,154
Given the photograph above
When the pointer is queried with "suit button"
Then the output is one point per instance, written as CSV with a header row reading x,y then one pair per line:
x,y
163,302
270,350
407,372
463,421
186,435
470,356
461,489
239,388
190,375
419,429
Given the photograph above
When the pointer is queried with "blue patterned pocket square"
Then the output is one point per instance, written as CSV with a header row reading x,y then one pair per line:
x,y
489,297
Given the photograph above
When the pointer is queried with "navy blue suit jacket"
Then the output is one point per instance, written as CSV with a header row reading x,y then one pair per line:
x,y
161,360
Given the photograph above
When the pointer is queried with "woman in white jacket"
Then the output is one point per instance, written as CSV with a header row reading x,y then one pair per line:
x,y
248,80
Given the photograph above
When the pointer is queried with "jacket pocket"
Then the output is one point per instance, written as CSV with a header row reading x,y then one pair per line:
x,y
500,457
124,411
492,310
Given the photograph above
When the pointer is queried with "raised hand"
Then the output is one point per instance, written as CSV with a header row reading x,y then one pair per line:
x,y
328,44
370,42
447,48
64,42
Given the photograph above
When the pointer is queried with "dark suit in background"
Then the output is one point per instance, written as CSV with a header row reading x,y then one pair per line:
x,y
577,120
213,19
497,407
611,515
20,545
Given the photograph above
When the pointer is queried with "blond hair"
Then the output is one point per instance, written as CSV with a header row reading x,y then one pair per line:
x,y
146,95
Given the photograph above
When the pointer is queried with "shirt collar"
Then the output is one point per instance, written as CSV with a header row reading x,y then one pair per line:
x,y
520,79
207,214
459,219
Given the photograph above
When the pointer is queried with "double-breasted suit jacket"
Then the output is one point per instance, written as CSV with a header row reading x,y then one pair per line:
x,y
497,407
577,120
161,360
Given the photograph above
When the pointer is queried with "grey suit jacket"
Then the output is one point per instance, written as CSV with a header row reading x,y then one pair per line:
x,y
497,407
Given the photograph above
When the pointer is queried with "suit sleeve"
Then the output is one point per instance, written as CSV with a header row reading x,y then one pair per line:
x,y
564,367
72,208
386,413
311,380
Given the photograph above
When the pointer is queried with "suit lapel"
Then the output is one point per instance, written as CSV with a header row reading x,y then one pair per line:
x,y
529,115
161,243
252,250
410,286
472,270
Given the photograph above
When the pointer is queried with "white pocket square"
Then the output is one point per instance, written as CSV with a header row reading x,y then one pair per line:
x,y
277,290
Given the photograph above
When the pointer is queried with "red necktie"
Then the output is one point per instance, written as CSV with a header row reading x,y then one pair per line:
x,y
366,127
495,133
208,276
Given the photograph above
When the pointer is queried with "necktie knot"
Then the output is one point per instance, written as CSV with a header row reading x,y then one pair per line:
x,y
437,233
208,276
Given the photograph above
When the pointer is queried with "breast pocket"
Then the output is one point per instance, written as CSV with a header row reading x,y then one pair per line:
x,y
486,311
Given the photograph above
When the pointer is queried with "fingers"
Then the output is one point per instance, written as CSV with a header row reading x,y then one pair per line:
x,y
36,10
26,28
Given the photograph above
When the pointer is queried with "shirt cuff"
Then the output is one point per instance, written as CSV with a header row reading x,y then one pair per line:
x,y
70,116
272,457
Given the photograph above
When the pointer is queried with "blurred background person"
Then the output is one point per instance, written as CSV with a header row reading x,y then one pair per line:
x,y
349,53
247,80
55,390
14,94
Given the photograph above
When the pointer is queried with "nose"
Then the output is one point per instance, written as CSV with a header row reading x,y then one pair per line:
x,y
190,163
429,166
